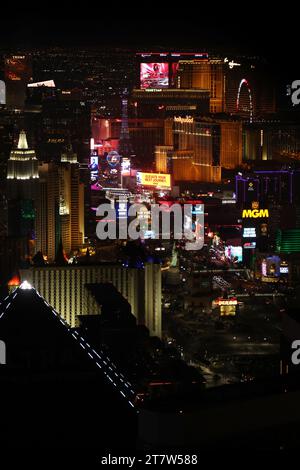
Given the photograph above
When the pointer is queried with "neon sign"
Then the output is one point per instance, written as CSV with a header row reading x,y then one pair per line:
x,y
255,213
186,120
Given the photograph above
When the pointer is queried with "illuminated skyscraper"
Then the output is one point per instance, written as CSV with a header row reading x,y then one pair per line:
x,y
60,210
22,163
125,147
205,75
197,149
22,184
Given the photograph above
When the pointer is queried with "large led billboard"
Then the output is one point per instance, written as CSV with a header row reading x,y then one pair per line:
x,y
154,75
234,252
45,83
154,180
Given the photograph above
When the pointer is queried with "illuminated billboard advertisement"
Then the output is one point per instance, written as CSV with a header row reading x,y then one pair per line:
x,y
17,68
125,166
94,169
250,245
121,208
249,232
234,252
113,158
231,301
94,161
154,180
154,75
284,269
46,83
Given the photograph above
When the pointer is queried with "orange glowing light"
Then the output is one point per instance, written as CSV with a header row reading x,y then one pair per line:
x,y
14,281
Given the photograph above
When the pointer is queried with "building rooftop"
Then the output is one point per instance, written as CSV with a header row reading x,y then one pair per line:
x,y
54,379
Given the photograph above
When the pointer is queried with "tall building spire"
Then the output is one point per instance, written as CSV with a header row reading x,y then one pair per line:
x,y
22,163
22,143
125,147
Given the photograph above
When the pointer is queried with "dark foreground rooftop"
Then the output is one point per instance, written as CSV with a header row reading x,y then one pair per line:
x,y
56,391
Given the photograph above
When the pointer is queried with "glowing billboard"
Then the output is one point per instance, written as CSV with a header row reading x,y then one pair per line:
x,y
234,252
255,213
230,301
17,68
284,269
94,160
125,166
249,232
46,83
154,75
154,180
113,158
249,245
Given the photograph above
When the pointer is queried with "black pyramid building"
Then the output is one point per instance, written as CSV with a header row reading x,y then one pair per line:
x,y
58,391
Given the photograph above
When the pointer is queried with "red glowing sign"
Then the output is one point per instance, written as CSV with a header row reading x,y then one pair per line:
x,y
154,75
17,68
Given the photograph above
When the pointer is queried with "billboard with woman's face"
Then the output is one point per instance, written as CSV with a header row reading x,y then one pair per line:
x,y
154,75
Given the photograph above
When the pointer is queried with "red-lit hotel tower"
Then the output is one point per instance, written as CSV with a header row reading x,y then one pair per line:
x,y
17,73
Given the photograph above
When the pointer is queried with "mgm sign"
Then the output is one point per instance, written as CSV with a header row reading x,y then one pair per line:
x,y
255,213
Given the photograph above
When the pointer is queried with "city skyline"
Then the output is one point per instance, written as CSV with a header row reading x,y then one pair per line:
x,y
149,232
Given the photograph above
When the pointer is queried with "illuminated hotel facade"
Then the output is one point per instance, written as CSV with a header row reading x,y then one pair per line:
x,y
197,150
205,75
271,141
152,103
64,288
242,87
22,163
60,209
281,185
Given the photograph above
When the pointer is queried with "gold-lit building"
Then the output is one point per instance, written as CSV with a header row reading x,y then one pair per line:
x,y
205,75
64,288
22,163
60,209
231,144
198,149
170,102
22,189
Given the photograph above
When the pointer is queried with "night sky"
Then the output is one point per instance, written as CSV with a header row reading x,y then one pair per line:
x,y
244,27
